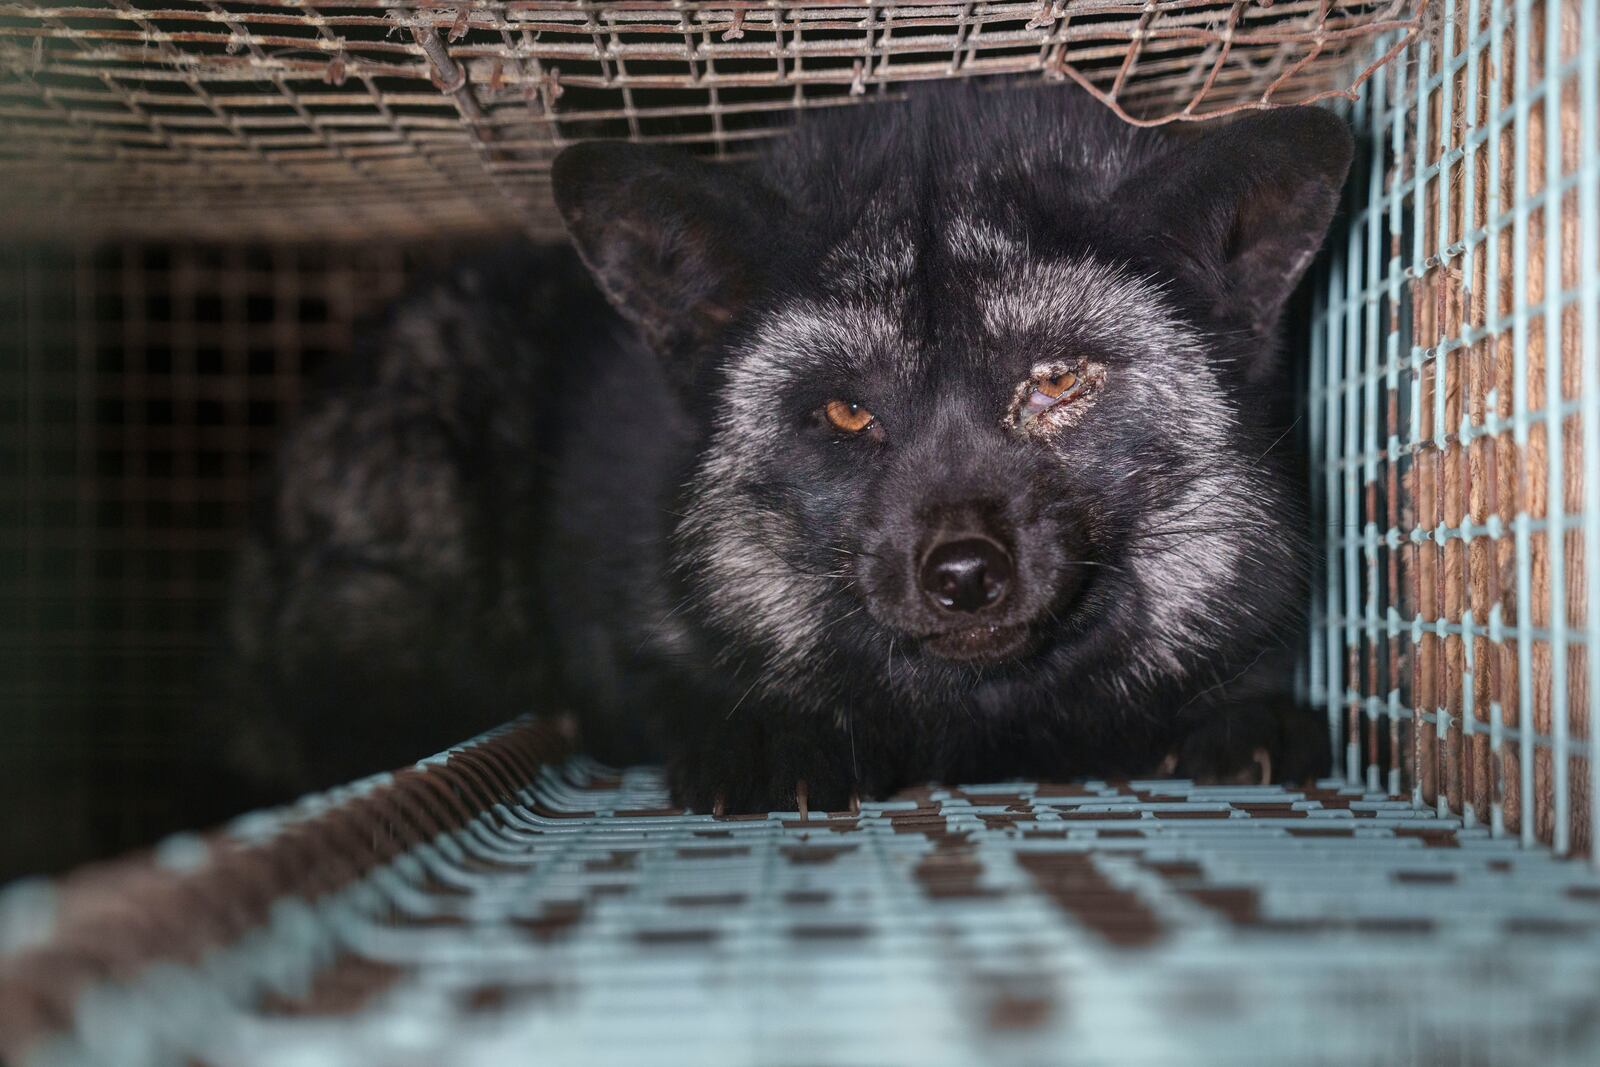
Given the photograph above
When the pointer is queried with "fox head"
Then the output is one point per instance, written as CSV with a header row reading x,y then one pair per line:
x,y
988,385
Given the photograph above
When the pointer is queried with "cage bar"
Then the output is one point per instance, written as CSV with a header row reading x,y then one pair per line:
x,y
1589,357
1555,432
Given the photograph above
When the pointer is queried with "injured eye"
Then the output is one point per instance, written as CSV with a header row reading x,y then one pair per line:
x,y
847,416
1054,397
1046,392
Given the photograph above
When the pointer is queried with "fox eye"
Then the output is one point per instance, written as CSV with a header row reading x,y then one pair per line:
x,y
1048,391
848,416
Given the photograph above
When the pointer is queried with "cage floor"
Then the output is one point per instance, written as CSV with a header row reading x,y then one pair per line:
x,y
578,919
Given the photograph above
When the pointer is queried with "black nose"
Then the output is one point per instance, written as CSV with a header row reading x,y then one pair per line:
x,y
968,574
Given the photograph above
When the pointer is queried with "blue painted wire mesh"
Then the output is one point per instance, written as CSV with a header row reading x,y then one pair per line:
x,y
1455,361
493,907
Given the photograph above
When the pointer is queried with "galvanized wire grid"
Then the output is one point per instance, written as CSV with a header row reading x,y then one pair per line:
x,y
499,904
142,391
215,118
1458,326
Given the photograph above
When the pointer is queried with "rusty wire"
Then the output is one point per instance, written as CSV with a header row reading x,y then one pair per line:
x,y
221,119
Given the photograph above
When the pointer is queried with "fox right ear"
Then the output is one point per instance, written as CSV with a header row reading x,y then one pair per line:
x,y
1247,203
674,243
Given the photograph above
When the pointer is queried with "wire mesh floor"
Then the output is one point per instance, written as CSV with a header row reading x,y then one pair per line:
x,y
504,903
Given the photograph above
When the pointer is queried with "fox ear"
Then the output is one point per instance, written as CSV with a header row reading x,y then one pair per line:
x,y
1247,205
674,243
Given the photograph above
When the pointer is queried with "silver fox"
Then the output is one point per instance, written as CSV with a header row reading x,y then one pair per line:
x,y
947,440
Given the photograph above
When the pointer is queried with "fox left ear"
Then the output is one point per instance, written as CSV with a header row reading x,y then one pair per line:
x,y
1248,204
676,244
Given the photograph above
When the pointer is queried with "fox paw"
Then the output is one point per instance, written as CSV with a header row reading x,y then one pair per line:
x,y
1253,746
754,782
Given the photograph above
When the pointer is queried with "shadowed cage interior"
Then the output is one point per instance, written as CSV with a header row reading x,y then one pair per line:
x,y
206,198
143,389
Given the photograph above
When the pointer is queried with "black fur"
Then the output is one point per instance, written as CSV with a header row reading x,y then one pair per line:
x,y
519,501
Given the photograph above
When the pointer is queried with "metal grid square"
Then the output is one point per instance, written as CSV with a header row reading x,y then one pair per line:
x,y
280,118
1455,354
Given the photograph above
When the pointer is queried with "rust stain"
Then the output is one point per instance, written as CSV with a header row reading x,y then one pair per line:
x,y
1098,815
1174,869
708,900
715,853
672,938
806,897
814,854
556,919
837,826
830,931
1240,905
1431,838
1078,887
1018,1012
1541,926
346,985
618,860
951,874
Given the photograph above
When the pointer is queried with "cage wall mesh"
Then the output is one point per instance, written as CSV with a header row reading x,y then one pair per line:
x,y
1454,386
224,119
142,389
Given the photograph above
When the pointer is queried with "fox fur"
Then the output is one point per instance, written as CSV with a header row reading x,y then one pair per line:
x,y
624,498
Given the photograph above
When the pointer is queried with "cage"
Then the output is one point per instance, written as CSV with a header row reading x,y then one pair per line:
x,y
205,199
1452,350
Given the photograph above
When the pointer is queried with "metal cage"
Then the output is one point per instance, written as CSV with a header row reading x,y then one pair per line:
x,y
508,899
275,118
1454,354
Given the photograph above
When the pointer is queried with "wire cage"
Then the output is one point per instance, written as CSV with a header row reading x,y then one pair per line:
x,y
211,118
143,389
1454,350
206,198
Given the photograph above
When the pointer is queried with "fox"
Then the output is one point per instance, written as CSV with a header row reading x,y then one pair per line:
x,y
946,440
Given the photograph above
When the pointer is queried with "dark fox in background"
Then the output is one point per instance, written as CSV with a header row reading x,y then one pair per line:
x,y
949,441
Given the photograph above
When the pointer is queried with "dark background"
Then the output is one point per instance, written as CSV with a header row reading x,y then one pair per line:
x,y
141,389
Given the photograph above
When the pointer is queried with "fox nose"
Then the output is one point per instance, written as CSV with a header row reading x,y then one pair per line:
x,y
966,575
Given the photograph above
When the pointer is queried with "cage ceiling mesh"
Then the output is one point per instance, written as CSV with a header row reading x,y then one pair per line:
x,y
214,118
